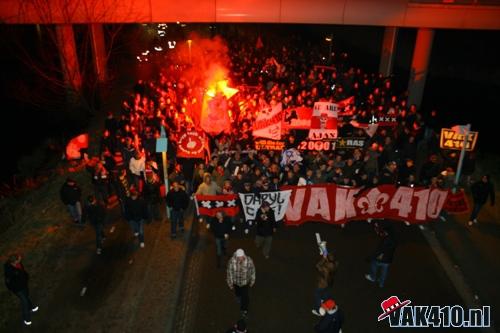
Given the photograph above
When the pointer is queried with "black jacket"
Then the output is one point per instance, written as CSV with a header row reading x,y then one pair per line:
x,y
15,279
70,195
220,228
388,177
330,323
386,248
265,223
136,210
151,192
95,213
177,200
481,190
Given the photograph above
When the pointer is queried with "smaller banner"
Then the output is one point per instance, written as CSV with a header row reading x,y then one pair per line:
x,y
346,102
209,205
451,139
191,145
456,203
161,145
265,144
323,121
268,123
75,145
350,143
370,129
386,121
297,118
291,156
316,145
278,201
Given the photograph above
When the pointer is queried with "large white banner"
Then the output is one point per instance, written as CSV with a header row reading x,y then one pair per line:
x,y
268,123
278,201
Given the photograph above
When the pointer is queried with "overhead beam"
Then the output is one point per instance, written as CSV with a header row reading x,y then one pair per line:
x,y
396,13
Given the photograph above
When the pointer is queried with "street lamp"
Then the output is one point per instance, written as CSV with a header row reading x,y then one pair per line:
x,y
189,41
329,40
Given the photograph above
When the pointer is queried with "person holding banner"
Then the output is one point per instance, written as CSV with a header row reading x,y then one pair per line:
x,y
266,226
326,268
208,187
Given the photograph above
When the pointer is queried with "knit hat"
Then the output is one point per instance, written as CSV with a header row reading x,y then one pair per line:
x,y
329,304
240,253
326,306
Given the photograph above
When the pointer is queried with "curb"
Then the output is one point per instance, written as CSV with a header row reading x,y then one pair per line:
x,y
454,274
170,327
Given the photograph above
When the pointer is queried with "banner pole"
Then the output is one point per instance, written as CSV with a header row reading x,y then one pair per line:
x,y
461,159
165,168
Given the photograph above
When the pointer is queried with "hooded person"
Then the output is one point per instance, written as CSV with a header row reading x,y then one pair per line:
x,y
331,318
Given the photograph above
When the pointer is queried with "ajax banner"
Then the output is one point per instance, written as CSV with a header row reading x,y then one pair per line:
x,y
323,121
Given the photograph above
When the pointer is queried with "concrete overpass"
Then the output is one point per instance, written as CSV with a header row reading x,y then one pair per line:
x,y
425,15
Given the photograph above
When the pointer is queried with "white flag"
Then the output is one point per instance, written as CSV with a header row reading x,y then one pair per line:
x,y
268,123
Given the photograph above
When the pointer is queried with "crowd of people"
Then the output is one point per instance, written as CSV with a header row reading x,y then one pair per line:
x,y
405,152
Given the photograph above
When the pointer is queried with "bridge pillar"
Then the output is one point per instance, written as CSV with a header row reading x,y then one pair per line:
x,y
99,51
388,49
419,65
68,56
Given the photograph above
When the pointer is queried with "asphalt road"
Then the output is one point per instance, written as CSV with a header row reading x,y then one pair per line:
x,y
281,300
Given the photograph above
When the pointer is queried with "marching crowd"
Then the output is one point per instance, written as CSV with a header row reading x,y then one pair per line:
x,y
405,152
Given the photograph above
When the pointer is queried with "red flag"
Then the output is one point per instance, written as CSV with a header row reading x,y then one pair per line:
x,y
211,204
456,203
345,102
75,145
297,118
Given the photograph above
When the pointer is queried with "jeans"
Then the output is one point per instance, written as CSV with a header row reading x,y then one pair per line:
x,y
75,211
99,234
475,210
384,267
138,227
176,218
265,242
242,296
220,246
27,306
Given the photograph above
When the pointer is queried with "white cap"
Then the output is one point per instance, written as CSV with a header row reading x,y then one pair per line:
x,y
240,253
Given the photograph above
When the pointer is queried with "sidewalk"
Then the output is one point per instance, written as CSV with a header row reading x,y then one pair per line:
x,y
125,289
